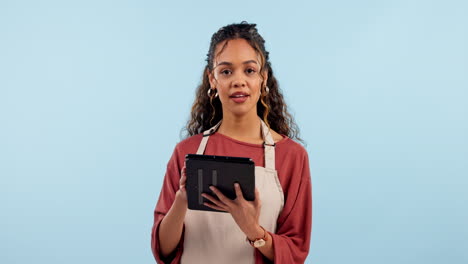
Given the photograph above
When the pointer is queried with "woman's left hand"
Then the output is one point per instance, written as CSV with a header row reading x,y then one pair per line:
x,y
245,213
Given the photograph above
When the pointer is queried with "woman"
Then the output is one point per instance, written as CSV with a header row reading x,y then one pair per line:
x,y
241,112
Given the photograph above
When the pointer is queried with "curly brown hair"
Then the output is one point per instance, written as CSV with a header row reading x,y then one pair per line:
x,y
207,110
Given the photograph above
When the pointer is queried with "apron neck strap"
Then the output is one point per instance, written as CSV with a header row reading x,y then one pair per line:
x,y
206,135
269,146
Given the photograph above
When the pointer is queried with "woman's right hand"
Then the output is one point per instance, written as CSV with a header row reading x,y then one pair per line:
x,y
181,194
172,224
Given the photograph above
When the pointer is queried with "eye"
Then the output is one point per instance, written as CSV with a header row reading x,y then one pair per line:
x,y
225,72
251,70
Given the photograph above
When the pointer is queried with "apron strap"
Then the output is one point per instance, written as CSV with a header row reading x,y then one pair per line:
x,y
206,135
269,146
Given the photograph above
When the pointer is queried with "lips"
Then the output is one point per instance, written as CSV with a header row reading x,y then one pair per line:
x,y
239,95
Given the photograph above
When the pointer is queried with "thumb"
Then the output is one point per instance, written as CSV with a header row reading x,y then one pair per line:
x,y
257,200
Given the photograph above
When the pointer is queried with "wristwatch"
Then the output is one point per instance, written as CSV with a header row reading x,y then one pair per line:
x,y
259,242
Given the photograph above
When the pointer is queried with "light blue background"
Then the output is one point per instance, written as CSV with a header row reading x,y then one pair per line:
x,y
93,95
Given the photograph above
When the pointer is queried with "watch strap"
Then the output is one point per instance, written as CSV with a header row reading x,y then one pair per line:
x,y
264,238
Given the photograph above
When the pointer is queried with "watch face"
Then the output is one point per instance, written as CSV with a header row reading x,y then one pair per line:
x,y
259,243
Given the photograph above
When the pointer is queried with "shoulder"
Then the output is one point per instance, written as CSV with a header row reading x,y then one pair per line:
x,y
276,137
291,148
190,144
288,143
182,148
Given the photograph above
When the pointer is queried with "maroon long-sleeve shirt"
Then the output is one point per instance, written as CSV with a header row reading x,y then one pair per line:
x,y
292,238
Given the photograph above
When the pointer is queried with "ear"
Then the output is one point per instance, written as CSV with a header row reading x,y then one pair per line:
x,y
211,79
265,75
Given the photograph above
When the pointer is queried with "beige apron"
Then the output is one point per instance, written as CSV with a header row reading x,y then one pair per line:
x,y
214,237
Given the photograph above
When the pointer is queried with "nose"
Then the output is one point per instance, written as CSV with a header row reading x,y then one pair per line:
x,y
239,82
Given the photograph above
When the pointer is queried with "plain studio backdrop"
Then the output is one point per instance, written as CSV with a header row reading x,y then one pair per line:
x,y
94,94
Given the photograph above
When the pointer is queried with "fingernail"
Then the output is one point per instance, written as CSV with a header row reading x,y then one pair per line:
x,y
211,187
236,184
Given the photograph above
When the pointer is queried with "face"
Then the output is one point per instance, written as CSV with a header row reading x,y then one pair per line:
x,y
236,77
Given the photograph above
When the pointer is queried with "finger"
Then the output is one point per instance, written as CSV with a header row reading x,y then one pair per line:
x,y
214,207
182,180
257,200
238,190
221,196
213,200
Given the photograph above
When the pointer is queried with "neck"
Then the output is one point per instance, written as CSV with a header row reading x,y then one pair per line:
x,y
241,127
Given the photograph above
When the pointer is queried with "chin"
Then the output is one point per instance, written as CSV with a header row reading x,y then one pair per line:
x,y
240,112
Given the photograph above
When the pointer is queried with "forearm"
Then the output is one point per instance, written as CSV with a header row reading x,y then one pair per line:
x,y
268,250
170,229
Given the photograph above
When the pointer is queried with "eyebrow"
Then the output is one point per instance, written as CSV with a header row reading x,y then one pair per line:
x,y
229,63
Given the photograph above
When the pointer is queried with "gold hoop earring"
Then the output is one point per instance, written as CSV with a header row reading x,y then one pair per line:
x,y
209,93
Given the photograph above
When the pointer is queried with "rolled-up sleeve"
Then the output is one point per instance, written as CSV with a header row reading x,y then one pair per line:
x,y
292,238
166,198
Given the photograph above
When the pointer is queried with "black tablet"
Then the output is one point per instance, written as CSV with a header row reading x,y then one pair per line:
x,y
221,171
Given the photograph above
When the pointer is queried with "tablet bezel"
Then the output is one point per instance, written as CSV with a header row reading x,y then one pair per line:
x,y
228,170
